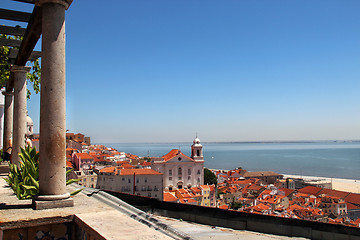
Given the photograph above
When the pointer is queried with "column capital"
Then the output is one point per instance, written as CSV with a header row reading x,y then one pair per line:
x,y
6,93
16,68
65,3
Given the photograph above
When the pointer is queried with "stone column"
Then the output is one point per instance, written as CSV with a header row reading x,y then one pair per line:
x,y
8,121
52,173
19,129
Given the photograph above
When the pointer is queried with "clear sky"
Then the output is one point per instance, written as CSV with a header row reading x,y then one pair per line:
x,y
162,71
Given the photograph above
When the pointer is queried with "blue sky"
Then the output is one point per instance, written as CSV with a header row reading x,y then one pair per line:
x,y
162,71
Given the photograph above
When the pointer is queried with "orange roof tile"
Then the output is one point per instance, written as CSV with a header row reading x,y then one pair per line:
x,y
353,198
224,207
287,191
334,193
108,170
83,156
173,153
310,190
143,171
126,166
168,197
69,164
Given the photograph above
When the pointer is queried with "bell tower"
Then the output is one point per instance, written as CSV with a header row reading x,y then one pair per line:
x,y
196,150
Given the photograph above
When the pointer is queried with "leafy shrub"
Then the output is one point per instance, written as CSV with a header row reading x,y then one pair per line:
x,y
24,180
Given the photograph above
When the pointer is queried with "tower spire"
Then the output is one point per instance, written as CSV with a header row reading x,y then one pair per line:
x,y
196,150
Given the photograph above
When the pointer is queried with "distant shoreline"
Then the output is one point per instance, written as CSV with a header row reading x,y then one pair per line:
x,y
240,142
340,184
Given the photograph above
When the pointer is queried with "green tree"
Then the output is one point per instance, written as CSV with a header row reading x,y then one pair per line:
x,y
235,205
209,177
33,76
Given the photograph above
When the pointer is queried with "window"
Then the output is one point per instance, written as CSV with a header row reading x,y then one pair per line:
x,y
198,172
129,180
198,153
170,172
180,171
123,179
137,180
189,177
189,171
170,178
145,179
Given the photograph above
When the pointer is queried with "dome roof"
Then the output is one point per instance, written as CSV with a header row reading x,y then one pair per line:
x,y
29,121
29,125
197,141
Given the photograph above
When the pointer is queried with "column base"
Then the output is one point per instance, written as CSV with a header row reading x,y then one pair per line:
x,y
41,204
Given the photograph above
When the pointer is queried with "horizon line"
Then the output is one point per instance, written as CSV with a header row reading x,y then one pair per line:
x,y
269,141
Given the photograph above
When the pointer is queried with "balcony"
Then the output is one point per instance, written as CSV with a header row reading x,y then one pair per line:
x,y
92,217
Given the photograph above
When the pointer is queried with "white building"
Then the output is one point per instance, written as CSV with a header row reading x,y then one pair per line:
x,y
180,171
141,182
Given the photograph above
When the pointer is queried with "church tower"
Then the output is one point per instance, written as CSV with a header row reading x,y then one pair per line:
x,y
196,150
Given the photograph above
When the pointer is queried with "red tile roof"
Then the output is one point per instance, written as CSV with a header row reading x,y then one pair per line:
x,y
352,206
310,190
83,156
168,197
144,171
173,153
146,164
108,170
69,164
287,191
353,198
131,156
334,193
224,207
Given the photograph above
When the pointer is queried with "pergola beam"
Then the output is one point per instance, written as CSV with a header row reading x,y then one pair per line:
x,y
33,56
10,42
31,37
14,15
25,1
14,31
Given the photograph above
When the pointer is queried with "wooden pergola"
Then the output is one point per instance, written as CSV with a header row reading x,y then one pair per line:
x,y
47,20
22,51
